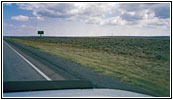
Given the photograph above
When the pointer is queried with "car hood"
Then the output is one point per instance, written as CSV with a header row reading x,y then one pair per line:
x,y
76,93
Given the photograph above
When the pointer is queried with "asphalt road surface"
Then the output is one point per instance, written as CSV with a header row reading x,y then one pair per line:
x,y
18,68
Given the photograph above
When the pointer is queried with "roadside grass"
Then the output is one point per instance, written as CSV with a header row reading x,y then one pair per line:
x,y
146,69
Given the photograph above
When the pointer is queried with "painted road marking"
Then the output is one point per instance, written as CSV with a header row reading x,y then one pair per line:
x,y
33,66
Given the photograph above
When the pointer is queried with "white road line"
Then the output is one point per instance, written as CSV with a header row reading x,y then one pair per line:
x,y
33,66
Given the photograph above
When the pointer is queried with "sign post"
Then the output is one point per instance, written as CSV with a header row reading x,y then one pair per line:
x,y
40,33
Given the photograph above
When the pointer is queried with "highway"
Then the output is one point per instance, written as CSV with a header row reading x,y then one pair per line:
x,y
18,68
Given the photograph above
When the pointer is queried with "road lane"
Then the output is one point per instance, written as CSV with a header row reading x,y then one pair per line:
x,y
15,68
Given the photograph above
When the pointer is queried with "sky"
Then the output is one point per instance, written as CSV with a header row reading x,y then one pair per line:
x,y
86,19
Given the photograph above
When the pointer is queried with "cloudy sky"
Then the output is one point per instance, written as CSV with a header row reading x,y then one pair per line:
x,y
86,19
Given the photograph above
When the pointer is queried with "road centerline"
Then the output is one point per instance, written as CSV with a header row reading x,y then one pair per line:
x,y
33,66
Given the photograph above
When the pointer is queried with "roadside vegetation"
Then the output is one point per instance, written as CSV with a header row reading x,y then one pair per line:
x,y
140,61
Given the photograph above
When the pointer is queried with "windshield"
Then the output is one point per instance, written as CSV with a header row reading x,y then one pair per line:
x,y
107,45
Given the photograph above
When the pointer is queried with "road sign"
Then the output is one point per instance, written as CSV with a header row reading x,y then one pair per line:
x,y
40,32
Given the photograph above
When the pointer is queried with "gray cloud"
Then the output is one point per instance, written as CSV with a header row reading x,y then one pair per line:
x,y
161,10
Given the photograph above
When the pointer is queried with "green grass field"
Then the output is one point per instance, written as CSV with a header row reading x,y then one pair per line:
x,y
140,61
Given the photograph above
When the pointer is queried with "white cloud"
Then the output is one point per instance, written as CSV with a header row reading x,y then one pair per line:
x,y
19,29
71,11
100,13
108,21
20,18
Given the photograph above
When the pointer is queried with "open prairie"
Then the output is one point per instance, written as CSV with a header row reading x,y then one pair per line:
x,y
140,61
